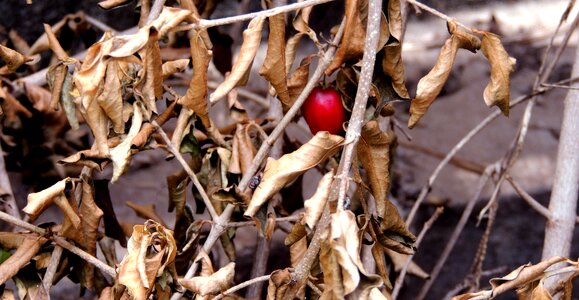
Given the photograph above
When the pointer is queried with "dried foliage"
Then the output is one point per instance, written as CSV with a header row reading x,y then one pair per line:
x,y
122,91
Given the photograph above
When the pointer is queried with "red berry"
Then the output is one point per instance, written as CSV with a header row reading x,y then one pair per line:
x,y
323,110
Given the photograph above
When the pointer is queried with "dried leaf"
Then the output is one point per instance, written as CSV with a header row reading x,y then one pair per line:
x,y
58,74
54,44
151,84
213,284
111,97
146,212
534,291
376,152
315,205
174,66
38,202
28,247
284,170
430,85
121,154
13,60
274,65
151,249
278,284
522,275
399,261
298,79
391,231
352,44
246,140
251,41
196,96
297,242
497,92
108,4
393,66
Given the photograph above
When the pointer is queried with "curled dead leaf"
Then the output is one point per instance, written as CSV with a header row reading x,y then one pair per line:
x,y
430,85
284,170
40,201
13,60
315,205
497,92
212,284
238,75
274,65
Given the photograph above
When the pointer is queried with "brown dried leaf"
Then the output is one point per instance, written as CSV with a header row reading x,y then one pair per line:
x,y
146,212
91,215
352,45
174,66
378,255
196,96
395,19
522,275
38,202
245,142
343,257
121,154
497,92
56,75
301,25
430,85
12,108
108,4
150,252
375,151
298,79
399,261
54,44
151,85
393,66
391,231
13,60
315,205
28,247
533,291
251,41
278,284
111,97
297,241
284,170
274,65
213,284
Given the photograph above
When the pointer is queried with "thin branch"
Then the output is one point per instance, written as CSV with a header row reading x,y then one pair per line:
x,y
52,267
438,14
155,10
357,119
61,242
242,285
185,165
240,18
425,228
560,86
252,223
456,233
314,287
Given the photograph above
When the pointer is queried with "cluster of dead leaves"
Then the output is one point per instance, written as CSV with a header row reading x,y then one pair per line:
x,y
116,90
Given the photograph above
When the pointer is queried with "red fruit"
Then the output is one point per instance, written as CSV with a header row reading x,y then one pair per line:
x,y
323,110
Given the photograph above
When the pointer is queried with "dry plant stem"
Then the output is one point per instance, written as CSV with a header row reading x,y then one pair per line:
x,y
60,242
456,233
52,267
563,201
187,169
242,285
7,200
252,223
314,287
357,119
425,228
155,10
264,13
437,13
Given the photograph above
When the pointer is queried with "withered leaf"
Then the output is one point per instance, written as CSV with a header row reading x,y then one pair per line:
x,y
212,284
150,251
251,41
497,92
121,154
108,4
297,241
56,76
282,171
196,96
399,261
13,60
376,151
300,24
111,98
534,291
298,79
430,85
151,84
278,284
352,44
315,205
174,66
245,143
391,232
393,66
274,65
54,44
38,202
28,247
